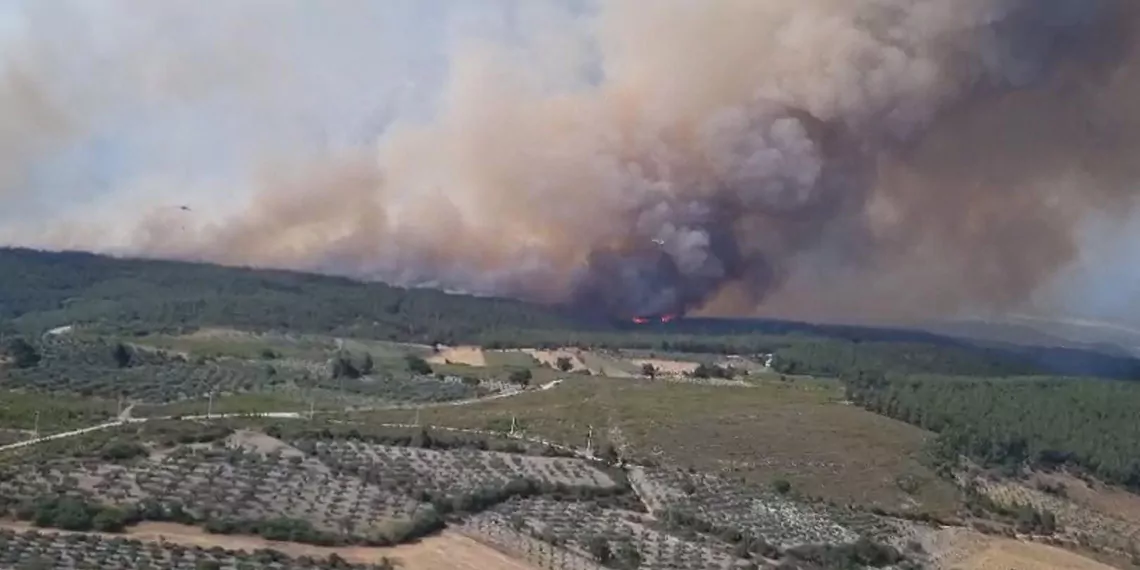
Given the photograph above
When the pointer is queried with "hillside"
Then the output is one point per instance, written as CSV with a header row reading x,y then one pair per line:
x,y
41,290
202,403
44,290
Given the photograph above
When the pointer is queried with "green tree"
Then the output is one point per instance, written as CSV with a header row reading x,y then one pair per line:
x,y
599,549
109,519
417,365
782,486
564,363
521,377
343,367
122,355
22,353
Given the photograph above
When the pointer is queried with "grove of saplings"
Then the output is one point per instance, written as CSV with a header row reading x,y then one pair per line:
x,y
338,485
33,550
109,368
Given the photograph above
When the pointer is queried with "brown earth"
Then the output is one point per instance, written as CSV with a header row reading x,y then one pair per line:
x,y
582,360
447,551
1007,554
1100,497
468,355
955,548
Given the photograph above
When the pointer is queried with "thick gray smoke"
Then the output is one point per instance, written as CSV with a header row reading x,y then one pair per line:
x,y
824,158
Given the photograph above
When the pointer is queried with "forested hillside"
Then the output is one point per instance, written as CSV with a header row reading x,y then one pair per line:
x,y
41,290
1046,422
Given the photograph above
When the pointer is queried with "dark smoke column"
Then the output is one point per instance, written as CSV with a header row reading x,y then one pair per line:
x,y
775,178
762,184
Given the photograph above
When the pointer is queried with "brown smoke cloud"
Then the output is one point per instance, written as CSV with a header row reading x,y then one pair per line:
x,y
818,158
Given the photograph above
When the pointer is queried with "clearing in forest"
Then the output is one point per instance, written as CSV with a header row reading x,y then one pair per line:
x,y
466,355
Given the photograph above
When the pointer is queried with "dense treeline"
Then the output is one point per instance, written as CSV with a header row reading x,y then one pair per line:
x,y
42,290
39,291
1045,422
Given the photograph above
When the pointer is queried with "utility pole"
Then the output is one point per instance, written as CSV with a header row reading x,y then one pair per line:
x,y
417,417
514,424
590,441
36,426
210,405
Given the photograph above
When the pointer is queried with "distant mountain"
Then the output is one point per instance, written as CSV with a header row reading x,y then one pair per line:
x,y
1022,329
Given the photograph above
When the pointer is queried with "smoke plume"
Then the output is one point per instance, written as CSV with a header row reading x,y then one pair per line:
x,y
820,158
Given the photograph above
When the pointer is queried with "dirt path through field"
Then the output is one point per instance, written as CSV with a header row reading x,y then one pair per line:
x,y
446,551
469,355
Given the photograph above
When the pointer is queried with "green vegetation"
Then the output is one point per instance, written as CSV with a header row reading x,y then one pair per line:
x,y
143,297
45,290
796,430
19,410
175,339
1047,422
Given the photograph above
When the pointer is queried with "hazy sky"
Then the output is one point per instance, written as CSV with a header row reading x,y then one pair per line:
x,y
161,103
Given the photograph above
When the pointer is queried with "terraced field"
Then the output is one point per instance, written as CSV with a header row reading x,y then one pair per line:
x,y
35,550
452,471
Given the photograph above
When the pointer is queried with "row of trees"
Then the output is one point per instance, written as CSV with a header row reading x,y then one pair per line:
x,y
74,513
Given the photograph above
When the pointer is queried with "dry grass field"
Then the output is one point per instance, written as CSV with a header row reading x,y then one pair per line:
x,y
799,431
465,355
1007,554
954,548
594,363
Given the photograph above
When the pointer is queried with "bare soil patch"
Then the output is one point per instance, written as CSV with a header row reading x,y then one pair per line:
x,y
262,443
1007,554
446,551
581,361
954,548
467,355
1100,497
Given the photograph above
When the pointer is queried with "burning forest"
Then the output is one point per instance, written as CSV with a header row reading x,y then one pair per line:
x,y
836,156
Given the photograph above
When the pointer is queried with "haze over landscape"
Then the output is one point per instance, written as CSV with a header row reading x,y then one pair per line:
x,y
822,159
569,284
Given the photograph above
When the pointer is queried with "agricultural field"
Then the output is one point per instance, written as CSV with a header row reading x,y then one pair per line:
x,y
453,471
799,431
336,486
180,372
31,549
25,411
